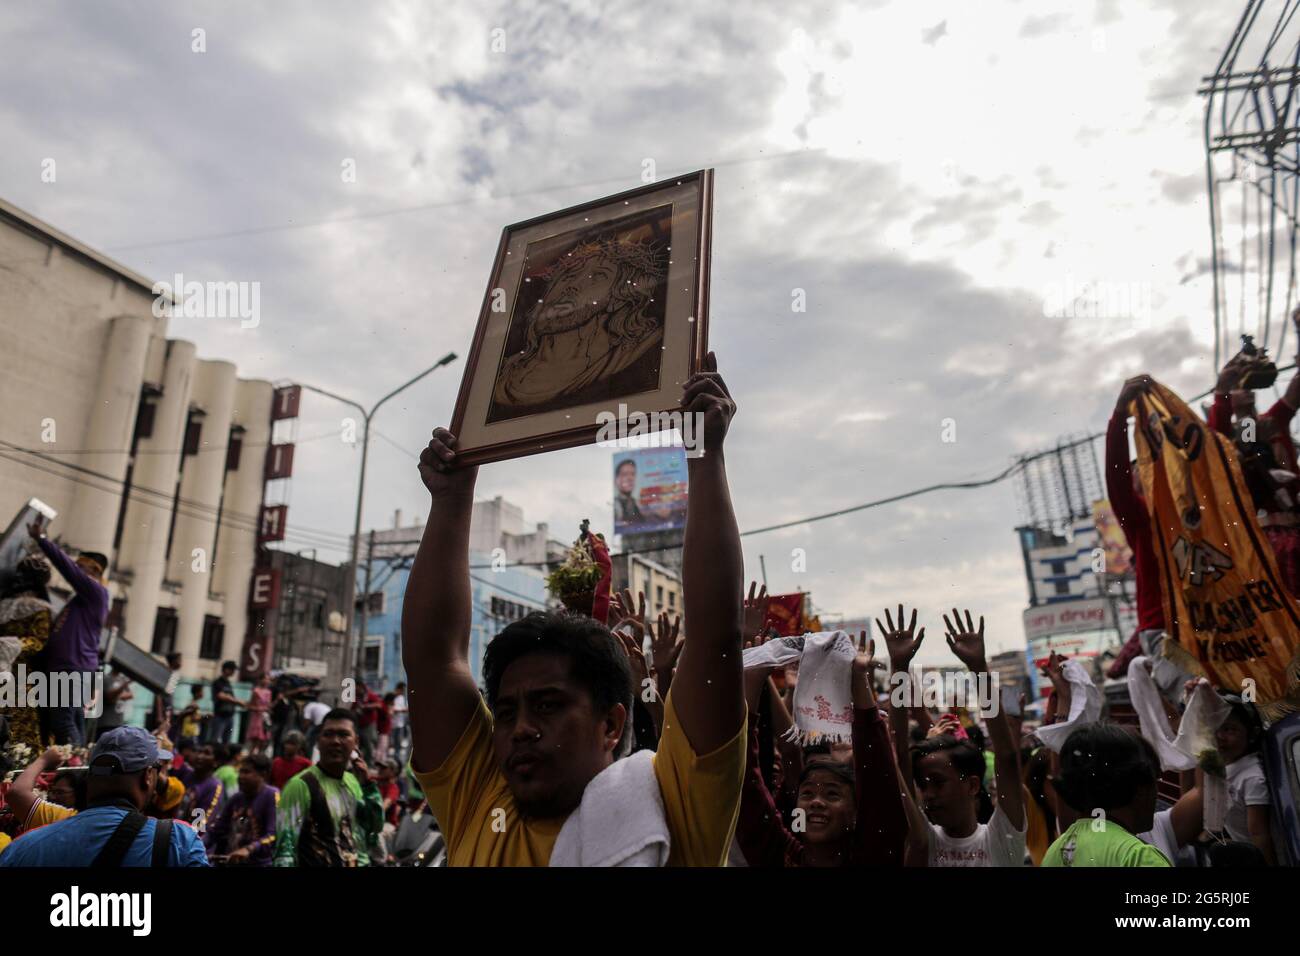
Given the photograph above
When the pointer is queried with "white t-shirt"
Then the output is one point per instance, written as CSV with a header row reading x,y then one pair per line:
x,y
1247,787
315,712
995,843
1162,837
399,711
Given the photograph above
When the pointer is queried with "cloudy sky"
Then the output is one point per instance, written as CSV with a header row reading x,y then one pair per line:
x,y
933,175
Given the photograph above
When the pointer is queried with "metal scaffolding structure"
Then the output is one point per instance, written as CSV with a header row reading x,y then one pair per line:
x,y
1058,485
1252,164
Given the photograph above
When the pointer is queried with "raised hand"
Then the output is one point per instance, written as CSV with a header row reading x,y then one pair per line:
x,y
901,642
635,658
755,677
665,645
705,393
440,471
1134,387
866,653
966,642
755,610
946,724
37,527
1054,671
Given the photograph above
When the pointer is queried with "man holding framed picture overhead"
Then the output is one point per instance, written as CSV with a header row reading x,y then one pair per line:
x,y
519,777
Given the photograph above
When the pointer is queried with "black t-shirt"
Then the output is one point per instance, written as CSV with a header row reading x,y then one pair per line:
x,y
222,708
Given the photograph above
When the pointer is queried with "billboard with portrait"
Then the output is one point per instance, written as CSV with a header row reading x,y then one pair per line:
x,y
649,490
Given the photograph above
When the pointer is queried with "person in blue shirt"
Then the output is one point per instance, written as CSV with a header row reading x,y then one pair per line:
x,y
124,768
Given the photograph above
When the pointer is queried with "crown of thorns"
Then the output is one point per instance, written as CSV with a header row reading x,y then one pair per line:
x,y
637,256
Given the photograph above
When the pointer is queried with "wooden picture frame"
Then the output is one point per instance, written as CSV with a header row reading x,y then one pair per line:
x,y
599,308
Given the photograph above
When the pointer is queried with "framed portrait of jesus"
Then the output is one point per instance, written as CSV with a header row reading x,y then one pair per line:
x,y
592,314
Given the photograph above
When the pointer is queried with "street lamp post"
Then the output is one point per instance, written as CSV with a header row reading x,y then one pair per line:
x,y
366,416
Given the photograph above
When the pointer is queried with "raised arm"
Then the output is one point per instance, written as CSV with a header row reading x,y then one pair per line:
x,y
1119,475
22,794
881,833
760,830
967,644
81,582
1230,378
436,612
707,694
902,642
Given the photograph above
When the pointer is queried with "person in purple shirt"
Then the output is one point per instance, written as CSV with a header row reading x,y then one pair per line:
x,y
204,791
74,636
244,831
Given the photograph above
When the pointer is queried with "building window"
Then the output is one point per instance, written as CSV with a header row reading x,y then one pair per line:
x,y
508,611
214,633
672,599
659,596
234,448
144,417
193,432
1062,587
373,659
164,631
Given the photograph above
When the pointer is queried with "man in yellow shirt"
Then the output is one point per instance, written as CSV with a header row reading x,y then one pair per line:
x,y
502,776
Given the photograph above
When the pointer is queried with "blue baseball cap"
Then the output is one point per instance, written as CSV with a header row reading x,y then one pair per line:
x,y
131,750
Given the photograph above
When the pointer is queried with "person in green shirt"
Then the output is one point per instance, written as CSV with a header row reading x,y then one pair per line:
x,y
1108,776
330,813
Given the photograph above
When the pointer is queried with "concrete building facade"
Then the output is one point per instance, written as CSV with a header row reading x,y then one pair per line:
x,y
149,454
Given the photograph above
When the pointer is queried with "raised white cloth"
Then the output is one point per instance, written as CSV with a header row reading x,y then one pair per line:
x,y
1085,707
823,698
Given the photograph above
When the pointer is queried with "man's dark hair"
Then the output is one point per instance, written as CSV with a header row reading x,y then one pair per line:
x,y
97,556
625,461
259,762
1103,766
229,666
966,759
174,659
341,713
597,662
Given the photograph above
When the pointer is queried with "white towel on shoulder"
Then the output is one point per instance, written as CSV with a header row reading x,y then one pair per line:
x,y
620,821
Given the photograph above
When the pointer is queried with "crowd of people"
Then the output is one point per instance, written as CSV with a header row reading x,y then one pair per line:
x,y
601,736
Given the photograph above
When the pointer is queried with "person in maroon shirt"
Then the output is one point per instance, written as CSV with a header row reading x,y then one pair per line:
x,y
292,763
1130,510
367,707
852,814
1267,456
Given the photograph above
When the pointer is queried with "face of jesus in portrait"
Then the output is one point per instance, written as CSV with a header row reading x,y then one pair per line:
x,y
589,335
576,296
